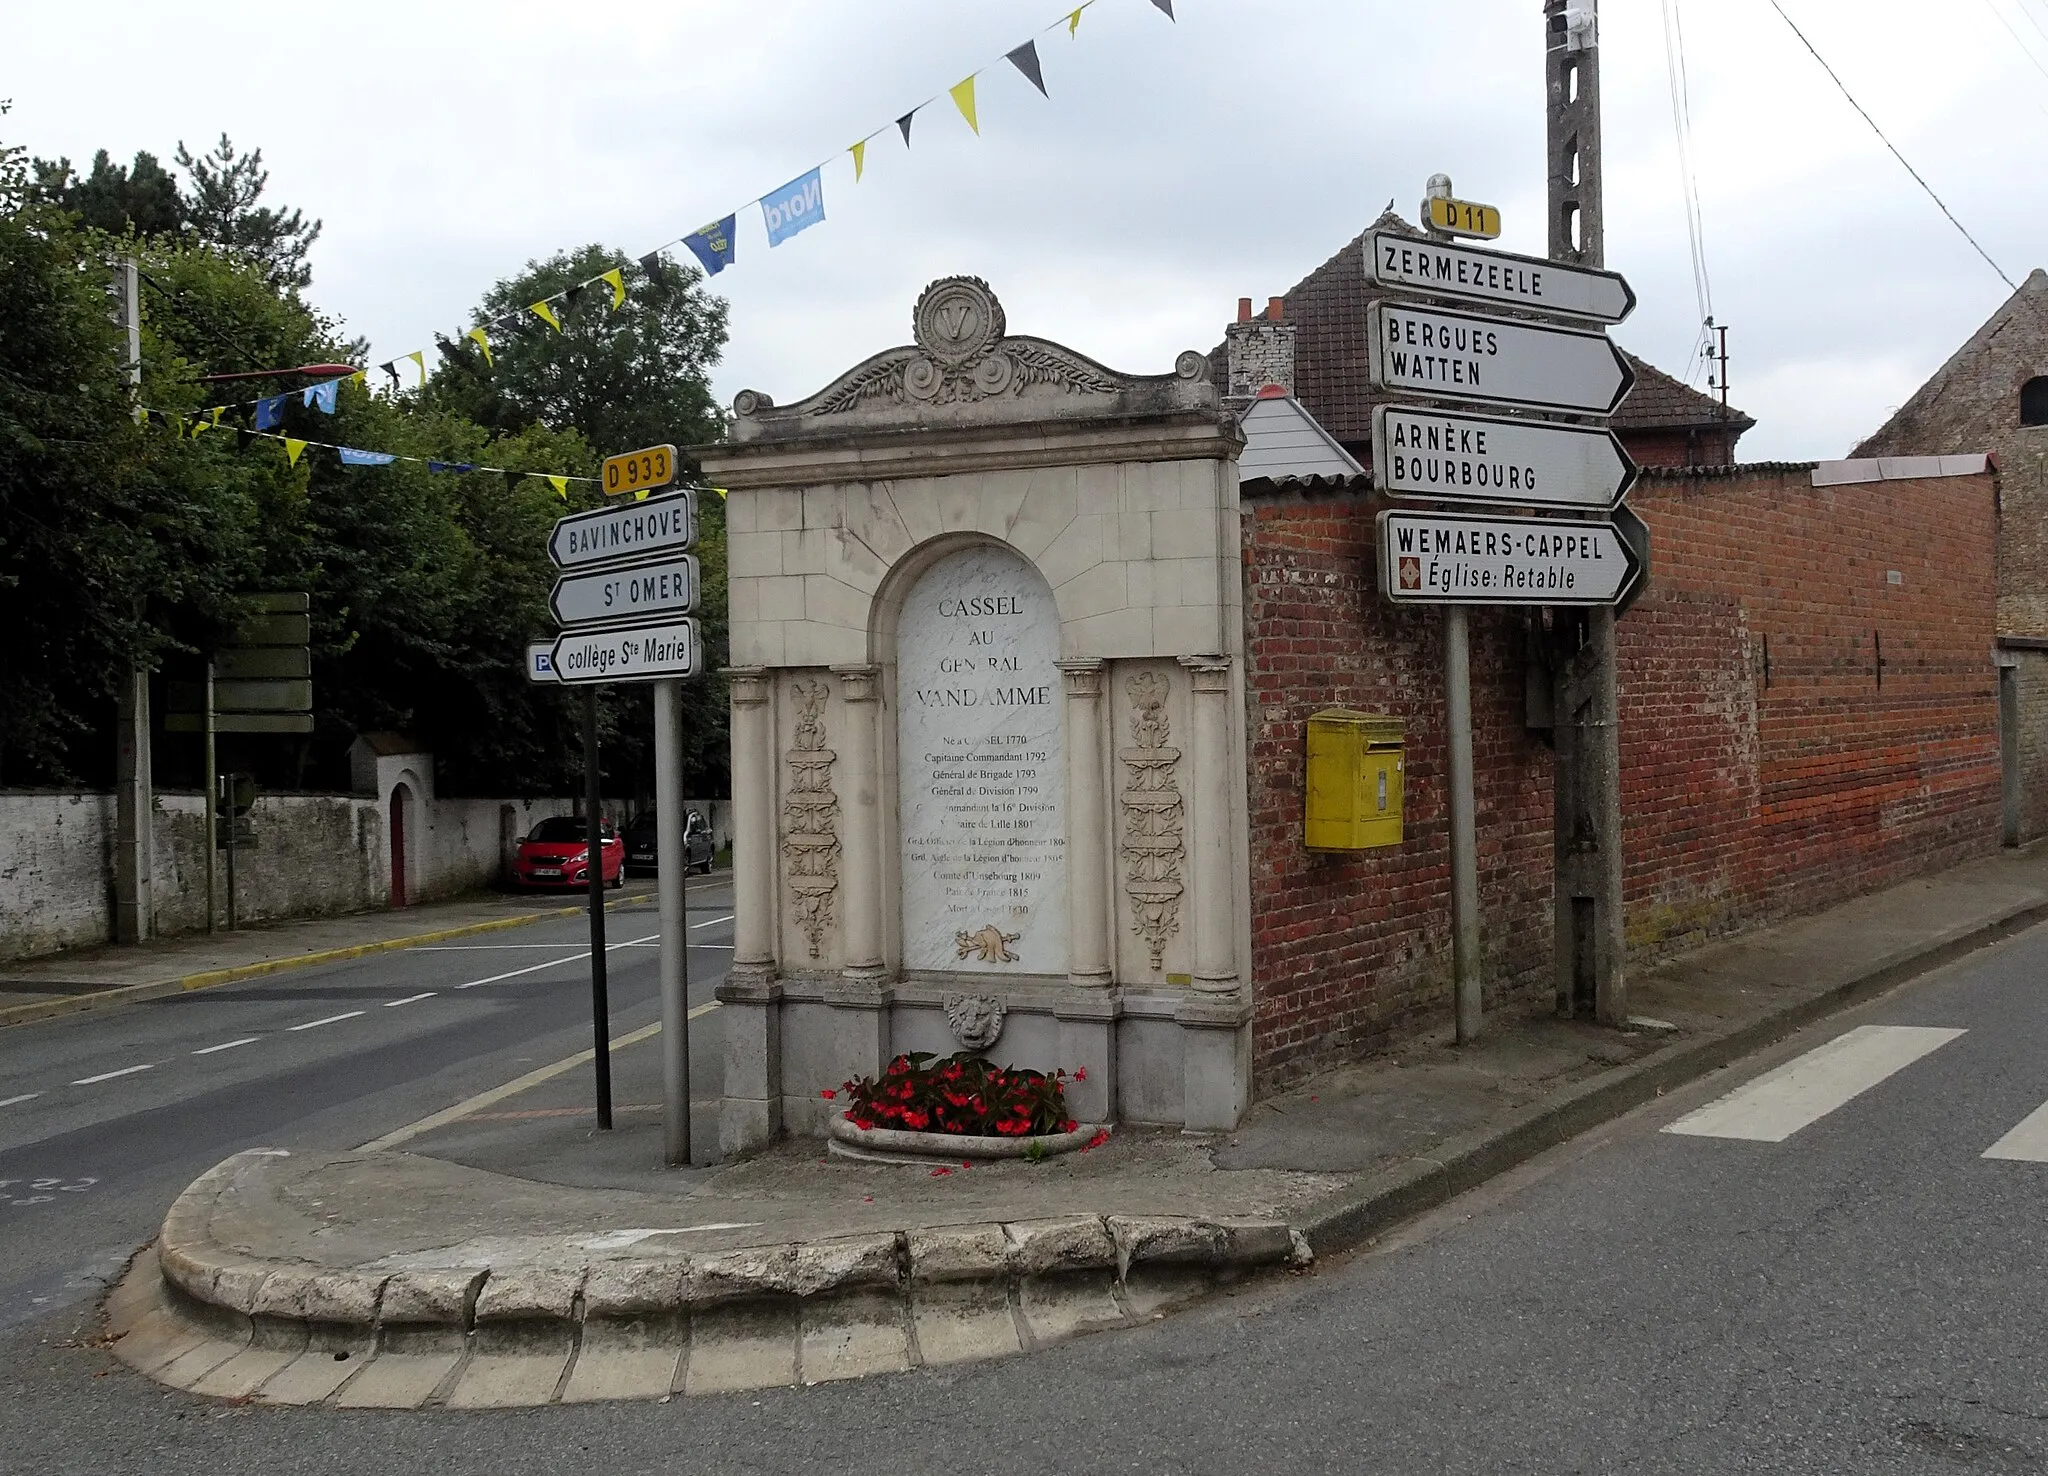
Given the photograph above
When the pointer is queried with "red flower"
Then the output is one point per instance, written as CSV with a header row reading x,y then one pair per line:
x,y
1080,1073
1101,1137
863,1123
917,1121
1070,1126
942,1169
967,1163
828,1094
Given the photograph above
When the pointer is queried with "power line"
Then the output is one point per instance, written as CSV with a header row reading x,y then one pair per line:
x,y
2025,50
1681,124
197,318
1894,149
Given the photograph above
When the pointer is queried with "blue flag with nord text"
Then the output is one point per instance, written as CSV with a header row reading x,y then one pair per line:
x,y
797,206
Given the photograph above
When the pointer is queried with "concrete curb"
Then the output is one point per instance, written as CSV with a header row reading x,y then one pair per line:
x,y
77,1004
205,1317
1384,1199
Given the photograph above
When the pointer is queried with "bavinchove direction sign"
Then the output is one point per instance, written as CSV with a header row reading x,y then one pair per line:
x,y
1473,559
611,535
1440,269
1464,356
1484,458
634,653
667,587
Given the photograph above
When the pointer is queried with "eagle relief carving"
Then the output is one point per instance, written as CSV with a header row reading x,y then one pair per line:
x,y
1153,813
989,944
810,816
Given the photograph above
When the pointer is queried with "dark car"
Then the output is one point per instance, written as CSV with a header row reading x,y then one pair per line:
x,y
642,851
556,853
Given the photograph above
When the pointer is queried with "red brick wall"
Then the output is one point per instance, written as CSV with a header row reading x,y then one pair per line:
x,y
1744,798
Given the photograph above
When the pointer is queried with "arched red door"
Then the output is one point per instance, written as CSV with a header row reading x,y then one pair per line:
x,y
398,847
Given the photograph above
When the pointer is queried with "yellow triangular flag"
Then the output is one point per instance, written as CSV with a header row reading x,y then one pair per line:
x,y
641,495
963,99
618,280
419,359
483,341
1074,21
293,450
547,315
561,486
199,425
361,380
218,412
721,493
860,158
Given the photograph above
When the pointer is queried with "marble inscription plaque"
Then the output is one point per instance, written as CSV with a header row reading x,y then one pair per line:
x,y
982,781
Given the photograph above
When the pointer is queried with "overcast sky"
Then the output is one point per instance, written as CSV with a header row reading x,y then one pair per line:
x,y
1175,168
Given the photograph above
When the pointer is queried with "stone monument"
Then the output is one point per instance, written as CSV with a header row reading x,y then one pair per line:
x,y
988,727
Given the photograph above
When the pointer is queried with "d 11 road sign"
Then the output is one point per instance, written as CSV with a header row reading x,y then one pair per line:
x,y
634,653
1484,458
1439,269
1463,356
617,535
1469,559
1463,217
666,588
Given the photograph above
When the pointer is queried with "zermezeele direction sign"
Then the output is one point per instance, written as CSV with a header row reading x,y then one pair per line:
x,y
1472,559
1464,356
633,653
1441,269
665,588
1453,457
637,530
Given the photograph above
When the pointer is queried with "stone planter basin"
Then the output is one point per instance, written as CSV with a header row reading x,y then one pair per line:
x,y
897,1145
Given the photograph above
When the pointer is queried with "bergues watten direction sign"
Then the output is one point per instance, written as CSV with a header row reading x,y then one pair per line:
x,y
1440,269
1476,559
1466,356
667,587
638,653
610,535
1454,457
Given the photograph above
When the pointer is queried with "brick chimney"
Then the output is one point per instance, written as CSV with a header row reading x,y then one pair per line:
x,y
1260,352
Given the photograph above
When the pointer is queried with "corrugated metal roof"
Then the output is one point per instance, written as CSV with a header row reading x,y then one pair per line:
x,y
1281,440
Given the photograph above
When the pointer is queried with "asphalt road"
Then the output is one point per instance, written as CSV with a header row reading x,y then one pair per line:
x,y
105,1116
1846,1284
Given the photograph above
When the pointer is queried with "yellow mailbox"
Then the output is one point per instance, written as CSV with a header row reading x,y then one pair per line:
x,y
1354,781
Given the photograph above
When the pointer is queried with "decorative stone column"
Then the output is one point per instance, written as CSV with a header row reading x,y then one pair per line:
x,y
1215,970
1215,1017
751,1115
1087,1015
861,792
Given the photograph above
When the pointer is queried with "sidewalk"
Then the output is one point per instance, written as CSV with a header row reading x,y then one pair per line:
x,y
94,978
511,1259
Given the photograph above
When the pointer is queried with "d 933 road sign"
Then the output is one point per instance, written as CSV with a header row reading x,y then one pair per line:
x,y
639,471
1440,269
637,653
1467,559
1483,458
1465,356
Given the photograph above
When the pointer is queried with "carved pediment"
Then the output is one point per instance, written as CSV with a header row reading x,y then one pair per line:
x,y
964,369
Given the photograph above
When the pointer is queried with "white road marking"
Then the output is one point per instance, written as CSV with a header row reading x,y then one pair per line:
x,y
392,1004
483,947
227,1045
517,1085
24,1097
535,968
713,923
329,1020
2026,1143
86,1081
1779,1103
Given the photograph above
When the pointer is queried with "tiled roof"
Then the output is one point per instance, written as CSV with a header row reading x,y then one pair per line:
x,y
1328,309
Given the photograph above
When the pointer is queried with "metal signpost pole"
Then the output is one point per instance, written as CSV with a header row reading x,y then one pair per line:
x,y
1589,940
229,779
672,862
212,805
600,1004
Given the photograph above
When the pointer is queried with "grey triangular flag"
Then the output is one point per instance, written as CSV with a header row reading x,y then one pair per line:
x,y
904,124
1165,5
1025,60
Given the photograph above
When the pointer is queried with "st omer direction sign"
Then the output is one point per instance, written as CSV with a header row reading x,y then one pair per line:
x,y
1442,269
1482,559
1467,356
667,587
1451,456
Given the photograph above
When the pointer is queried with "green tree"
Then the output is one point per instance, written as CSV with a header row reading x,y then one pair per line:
x,y
143,198
221,209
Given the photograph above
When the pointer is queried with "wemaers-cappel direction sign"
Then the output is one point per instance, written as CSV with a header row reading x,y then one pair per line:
x,y
1454,457
668,587
1466,356
1470,274
634,653
636,530
1474,559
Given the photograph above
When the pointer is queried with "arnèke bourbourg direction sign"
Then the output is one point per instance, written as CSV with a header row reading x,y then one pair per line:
x,y
637,530
600,596
1452,457
633,653
1477,559
1464,356
1441,269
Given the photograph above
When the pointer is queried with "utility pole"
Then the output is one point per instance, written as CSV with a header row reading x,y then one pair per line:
x,y
212,762
134,786
600,1002
672,863
1588,945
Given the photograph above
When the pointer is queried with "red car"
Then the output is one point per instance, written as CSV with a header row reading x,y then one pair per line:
x,y
556,854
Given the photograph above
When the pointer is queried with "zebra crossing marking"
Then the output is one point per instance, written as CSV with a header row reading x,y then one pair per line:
x,y
1779,1103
